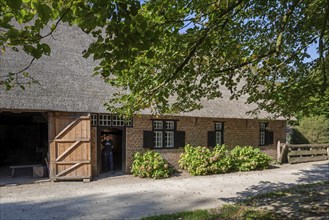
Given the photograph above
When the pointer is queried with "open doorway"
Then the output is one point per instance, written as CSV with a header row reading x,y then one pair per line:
x,y
118,150
23,140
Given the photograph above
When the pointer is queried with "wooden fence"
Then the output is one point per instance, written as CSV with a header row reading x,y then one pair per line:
x,y
299,153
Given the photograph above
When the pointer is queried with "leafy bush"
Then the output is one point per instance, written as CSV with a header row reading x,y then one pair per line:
x,y
152,165
195,160
221,160
206,161
249,158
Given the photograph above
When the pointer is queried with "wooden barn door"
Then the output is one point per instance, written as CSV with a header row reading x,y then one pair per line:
x,y
70,147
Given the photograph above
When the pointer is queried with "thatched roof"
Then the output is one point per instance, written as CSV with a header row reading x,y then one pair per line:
x,y
67,84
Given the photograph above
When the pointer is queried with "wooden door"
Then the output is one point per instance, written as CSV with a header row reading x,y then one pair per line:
x,y
70,147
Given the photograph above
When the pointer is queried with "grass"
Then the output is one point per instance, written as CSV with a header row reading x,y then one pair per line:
x,y
227,212
302,189
310,198
192,215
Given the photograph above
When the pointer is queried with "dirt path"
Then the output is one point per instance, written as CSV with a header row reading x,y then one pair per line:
x,y
128,197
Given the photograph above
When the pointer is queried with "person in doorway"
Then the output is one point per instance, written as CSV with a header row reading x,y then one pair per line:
x,y
108,152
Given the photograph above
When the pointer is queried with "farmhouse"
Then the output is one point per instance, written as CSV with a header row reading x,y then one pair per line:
x,y
63,120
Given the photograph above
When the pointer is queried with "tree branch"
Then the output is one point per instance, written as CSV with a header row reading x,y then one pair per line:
x,y
284,23
58,21
201,39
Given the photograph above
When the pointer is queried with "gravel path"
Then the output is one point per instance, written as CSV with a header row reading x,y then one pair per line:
x,y
128,197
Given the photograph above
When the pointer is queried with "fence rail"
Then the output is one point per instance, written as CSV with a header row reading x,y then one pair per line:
x,y
299,153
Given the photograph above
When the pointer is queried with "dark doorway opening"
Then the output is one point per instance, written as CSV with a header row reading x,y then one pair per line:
x,y
23,138
117,138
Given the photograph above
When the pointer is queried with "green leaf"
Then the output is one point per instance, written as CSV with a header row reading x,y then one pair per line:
x,y
46,49
44,12
35,52
14,4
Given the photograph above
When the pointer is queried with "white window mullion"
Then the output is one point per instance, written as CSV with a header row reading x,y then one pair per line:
x,y
219,137
158,139
169,135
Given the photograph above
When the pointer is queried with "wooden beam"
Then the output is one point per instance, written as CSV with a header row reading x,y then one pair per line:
x,y
307,152
72,140
278,151
306,159
307,145
71,125
73,162
283,151
68,169
67,150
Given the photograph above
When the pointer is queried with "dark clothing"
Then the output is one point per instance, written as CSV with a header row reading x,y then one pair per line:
x,y
108,155
108,145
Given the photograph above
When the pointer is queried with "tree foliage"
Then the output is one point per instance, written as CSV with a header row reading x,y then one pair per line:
x,y
315,129
171,54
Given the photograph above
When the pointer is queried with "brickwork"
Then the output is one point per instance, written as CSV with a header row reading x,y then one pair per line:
x,y
236,132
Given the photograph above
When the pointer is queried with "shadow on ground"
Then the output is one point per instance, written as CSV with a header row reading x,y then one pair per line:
x,y
95,206
298,203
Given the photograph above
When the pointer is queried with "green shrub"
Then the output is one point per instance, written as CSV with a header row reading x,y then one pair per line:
x,y
249,158
220,162
204,161
152,165
195,160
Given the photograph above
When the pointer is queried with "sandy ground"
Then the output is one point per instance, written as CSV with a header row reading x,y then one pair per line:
x,y
128,197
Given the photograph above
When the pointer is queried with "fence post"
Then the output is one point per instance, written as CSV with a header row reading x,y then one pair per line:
x,y
278,151
283,151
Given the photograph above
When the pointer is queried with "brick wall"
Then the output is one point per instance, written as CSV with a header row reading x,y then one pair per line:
x,y
236,132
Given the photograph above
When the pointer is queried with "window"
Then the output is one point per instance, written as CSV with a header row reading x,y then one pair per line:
x,y
163,135
117,121
110,120
216,137
169,139
157,125
219,133
262,127
93,118
129,122
158,139
265,136
104,120
170,125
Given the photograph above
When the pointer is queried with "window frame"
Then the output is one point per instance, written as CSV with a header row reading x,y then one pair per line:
x,y
102,118
94,120
219,131
263,127
109,120
164,129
